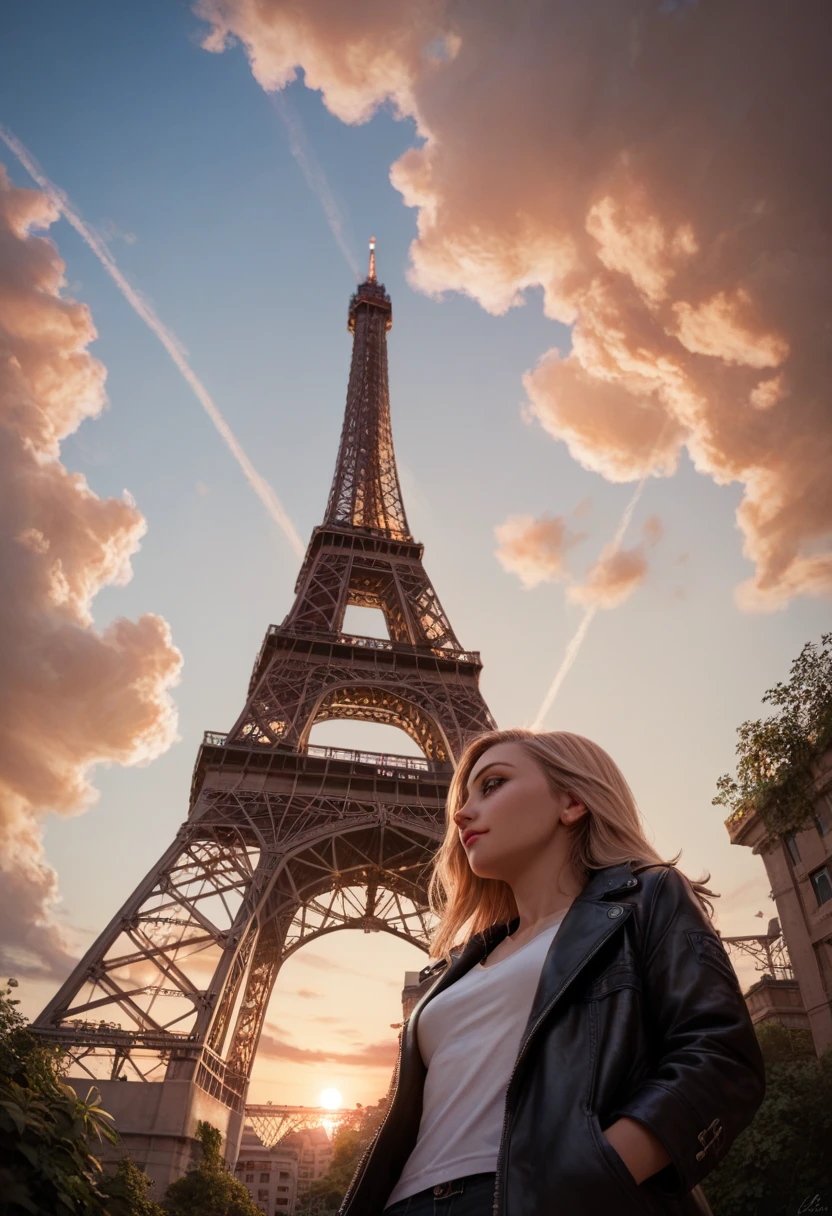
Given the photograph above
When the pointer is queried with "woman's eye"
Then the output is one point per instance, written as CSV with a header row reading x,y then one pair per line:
x,y
489,782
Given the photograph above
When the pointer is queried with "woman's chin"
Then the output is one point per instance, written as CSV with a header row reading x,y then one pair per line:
x,y
482,869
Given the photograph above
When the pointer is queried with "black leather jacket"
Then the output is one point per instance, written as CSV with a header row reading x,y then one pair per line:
x,y
638,1012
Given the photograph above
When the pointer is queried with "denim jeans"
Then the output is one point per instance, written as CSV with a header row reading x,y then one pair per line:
x,y
472,1195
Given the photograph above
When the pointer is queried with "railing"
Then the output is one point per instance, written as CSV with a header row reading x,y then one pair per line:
x,y
221,1080
110,1035
381,760
354,639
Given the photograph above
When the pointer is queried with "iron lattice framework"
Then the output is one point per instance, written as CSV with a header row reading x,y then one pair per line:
x,y
286,842
771,957
271,1124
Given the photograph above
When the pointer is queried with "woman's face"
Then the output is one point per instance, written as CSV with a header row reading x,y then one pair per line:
x,y
516,816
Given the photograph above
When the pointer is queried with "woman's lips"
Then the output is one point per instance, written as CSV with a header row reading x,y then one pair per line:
x,y
469,840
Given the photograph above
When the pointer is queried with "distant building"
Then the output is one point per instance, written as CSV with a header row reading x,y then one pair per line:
x,y
270,1175
773,999
314,1150
410,993
799,868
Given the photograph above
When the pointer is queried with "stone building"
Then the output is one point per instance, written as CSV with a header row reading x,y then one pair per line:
x,y
799,868
314,1150
270,1175
277,1178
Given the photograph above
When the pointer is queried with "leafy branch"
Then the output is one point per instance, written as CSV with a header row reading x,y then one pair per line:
x,y
778,773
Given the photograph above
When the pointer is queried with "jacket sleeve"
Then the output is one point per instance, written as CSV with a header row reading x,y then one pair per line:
x,y
709,1077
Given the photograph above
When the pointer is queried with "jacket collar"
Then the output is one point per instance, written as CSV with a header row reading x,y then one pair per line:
x,y
585,928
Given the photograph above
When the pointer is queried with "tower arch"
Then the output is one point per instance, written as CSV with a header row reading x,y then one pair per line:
x,y
408,711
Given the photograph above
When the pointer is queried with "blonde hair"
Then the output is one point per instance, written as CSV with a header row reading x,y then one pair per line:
x,y
611,832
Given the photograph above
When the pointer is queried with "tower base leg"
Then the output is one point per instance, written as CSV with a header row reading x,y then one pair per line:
x,y
157,1124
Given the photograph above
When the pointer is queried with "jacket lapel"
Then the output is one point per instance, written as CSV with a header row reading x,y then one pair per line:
x,y
585,928
592,919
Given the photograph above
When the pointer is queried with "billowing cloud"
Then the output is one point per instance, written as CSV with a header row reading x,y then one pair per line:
x,y
71,696
535,549
659,171
613,578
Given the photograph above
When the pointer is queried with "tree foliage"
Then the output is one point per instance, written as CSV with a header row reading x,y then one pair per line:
x,y
127,1191
784,1158
779,1043
348,1147
209,1189
777,770
46,1131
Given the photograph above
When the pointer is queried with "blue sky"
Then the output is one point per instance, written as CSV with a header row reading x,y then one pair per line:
x,y
153,137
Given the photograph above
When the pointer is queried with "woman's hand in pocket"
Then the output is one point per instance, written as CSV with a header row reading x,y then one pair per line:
x,y
642,1153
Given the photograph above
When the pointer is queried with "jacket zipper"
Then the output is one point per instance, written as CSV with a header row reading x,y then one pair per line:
x,y
368,1152
532,1033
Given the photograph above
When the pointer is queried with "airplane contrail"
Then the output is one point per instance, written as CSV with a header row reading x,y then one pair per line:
x,y
576,641
316,179
166,336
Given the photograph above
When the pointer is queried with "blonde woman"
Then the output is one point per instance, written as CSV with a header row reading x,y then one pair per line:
x,y
583,1046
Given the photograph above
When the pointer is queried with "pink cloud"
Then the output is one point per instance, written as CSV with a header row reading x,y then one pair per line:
x,y
535,549
658,174
71,696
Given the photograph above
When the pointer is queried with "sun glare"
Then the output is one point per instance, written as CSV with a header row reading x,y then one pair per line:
x,y
331,1099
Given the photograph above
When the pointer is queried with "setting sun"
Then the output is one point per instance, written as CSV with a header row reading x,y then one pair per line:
x,y
331,1099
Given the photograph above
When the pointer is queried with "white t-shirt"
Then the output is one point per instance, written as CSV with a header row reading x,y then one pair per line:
x,y
469,1036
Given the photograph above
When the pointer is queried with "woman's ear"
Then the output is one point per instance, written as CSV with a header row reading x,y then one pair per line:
x,y
573,810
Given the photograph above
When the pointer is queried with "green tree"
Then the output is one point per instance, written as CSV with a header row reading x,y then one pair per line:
x,y
777,756
209,1189
127,1191
779,1043
46,1130
784,1158
348,1146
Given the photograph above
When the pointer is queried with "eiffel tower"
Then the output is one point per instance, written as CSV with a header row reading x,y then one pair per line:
x,y
284,842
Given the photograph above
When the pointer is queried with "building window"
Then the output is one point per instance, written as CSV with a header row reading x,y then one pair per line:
x,y
281,1203
822,884
262,1196
264,1177
791,845
284,1173
249,1177
823,815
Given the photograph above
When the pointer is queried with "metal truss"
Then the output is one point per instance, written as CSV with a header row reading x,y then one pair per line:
x,y
769,951
374,577
271,1124
365,490
286,842
438,709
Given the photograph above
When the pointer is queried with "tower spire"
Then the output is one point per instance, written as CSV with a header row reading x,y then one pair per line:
x,y
365,489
